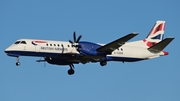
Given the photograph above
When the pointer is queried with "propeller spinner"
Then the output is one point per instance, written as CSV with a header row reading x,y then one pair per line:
x,y
76,41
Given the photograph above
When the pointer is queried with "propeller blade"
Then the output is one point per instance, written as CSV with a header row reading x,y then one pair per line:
x,y
79,38
74,34
70,41
74,44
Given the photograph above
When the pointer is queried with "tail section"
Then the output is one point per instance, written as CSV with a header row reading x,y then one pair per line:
x,y
160,46
155,41
156,34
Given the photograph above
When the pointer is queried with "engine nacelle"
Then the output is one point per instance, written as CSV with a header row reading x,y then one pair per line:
x,y
59,61
89,48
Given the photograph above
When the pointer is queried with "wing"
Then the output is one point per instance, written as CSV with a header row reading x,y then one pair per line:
x,y
108,48
161,45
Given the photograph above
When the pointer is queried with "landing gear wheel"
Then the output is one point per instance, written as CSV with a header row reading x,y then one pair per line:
x,y
17,63
71,71
103,63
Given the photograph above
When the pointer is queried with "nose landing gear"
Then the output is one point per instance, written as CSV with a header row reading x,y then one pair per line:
x,y
18,63
71,70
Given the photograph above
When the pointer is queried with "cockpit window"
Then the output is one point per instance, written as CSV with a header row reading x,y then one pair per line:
x,y
17,42
23,42
20,42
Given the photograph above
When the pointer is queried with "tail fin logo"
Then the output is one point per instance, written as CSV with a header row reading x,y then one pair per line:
x,y
148,43
156,34
157,31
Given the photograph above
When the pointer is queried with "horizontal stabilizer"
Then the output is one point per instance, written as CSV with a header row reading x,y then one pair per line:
x,y
160,46
108,48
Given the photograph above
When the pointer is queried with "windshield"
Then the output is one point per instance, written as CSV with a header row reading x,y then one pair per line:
x,y
20,42
23,42
17,42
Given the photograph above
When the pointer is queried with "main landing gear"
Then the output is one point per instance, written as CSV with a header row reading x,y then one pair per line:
x,y
18,63
71,70
103,63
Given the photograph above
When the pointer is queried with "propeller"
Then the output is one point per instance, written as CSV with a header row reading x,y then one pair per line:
x,y
76,41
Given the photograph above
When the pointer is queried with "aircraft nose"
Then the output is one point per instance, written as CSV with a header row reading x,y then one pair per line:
x,y
9,52
6,50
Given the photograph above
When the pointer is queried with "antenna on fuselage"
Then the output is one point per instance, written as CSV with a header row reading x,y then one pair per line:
x,y
42,61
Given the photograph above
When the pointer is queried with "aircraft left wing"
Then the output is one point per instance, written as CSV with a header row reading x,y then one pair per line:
x,y
108,48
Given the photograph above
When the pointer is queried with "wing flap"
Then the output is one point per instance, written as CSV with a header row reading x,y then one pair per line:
x,y
108,48
160,46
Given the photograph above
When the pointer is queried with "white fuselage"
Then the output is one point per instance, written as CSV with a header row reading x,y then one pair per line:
x,y
43,48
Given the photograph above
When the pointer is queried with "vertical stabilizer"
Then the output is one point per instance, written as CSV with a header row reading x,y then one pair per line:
x,y
156,34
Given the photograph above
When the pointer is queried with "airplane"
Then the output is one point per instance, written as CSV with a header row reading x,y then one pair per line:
x,y
76,51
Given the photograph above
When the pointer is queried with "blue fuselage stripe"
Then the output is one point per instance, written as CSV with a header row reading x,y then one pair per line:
x,y
125,59
46,54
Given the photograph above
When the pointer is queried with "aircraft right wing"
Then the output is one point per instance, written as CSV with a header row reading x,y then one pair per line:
x,y
161,45
108,48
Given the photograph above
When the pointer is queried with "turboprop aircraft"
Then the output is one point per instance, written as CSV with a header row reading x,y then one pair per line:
x,y
75,52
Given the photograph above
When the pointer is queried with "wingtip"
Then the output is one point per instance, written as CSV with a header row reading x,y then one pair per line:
x,y
135,33
172,38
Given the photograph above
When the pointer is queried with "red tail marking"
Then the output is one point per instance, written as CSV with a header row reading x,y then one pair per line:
x,y
165,53
156,29
159,28
149,44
